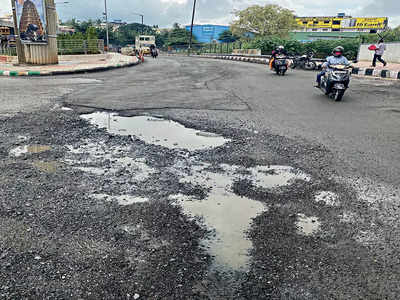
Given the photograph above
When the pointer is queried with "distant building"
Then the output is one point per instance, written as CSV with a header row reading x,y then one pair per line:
x,y
62,29
7,21
207,33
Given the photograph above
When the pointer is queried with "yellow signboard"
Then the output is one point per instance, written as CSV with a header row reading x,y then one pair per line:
x,y
347,23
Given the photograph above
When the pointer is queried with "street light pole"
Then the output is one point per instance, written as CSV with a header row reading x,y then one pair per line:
x,y
106,15
191,28
20,46
142,20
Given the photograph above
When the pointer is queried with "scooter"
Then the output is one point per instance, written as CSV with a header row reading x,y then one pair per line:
x,y
336,81
281,65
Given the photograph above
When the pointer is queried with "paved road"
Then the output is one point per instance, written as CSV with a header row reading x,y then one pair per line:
x,y
91,215
362,131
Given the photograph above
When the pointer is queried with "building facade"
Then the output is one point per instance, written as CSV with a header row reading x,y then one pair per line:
x,y
207,33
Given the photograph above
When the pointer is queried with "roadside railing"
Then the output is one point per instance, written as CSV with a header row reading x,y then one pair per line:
x,y
72,47
8,51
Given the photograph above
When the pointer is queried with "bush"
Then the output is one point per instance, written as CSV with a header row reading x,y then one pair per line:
x,y
322,48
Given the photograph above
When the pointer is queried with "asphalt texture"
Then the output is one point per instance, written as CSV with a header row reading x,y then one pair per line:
x,y
58,241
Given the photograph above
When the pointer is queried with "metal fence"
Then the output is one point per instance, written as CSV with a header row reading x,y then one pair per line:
x,y
8,51
220,48
70,47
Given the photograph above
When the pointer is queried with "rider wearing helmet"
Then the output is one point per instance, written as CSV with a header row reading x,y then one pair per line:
x,y
337,58
280,50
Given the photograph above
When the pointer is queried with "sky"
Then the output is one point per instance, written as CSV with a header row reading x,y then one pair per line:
x,y
166,12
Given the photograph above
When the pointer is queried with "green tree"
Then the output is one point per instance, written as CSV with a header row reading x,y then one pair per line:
x,y
228,37
179,37
264,20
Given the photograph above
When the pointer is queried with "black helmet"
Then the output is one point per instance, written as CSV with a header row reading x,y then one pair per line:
x,y
338,51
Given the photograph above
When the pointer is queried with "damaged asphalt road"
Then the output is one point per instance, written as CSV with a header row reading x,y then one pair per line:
x,y
278,206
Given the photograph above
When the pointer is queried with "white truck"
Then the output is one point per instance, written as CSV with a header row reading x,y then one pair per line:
x,y
143,43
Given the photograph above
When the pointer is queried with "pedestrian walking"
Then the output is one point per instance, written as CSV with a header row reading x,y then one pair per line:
x,y
380,50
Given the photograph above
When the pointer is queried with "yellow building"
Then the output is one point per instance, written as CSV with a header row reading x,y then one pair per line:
x,y
341,23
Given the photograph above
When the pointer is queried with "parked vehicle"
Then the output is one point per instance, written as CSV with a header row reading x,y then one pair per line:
x,y
304,62
281,65
144,43
336,81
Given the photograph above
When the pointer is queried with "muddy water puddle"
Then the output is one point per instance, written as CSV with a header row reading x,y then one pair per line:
x,y
229,215
156,131
29,149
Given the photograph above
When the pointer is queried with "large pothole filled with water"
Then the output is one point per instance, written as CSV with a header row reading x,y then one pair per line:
x,y
226,214
157,131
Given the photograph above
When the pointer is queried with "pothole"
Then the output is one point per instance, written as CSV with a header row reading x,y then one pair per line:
x,y
91,158
46,166
228,214
156,131
307,225
329,198
29,149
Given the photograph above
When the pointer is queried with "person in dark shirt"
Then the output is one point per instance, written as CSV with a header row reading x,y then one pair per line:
x,y
279,51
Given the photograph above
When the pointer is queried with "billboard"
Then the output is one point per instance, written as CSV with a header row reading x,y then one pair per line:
x,y
345,23
365,23
31,20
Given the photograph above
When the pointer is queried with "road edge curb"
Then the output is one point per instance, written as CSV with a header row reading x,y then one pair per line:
x,y
68,72
367,72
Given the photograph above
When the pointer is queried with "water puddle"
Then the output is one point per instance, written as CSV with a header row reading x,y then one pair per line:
x,y
123,200
329,198
228,214
29,149
308,225
156,131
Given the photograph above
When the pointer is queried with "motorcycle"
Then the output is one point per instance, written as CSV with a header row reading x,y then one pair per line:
x,y
304,62
336,81
281,65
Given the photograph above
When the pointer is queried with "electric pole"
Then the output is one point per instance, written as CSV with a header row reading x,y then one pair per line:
x,y
106,16
191,28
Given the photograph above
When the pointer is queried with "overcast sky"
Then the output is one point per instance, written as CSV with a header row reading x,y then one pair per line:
x,y
166,12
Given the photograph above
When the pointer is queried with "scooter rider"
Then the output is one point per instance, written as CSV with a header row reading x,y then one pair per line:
x,y
280,50
337,58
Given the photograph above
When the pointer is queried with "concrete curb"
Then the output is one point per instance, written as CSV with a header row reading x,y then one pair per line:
x,y
368,72
69,72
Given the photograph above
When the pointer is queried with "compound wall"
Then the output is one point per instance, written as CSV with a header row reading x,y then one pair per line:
x,y
392,53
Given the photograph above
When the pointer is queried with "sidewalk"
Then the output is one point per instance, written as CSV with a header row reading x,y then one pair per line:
x,y
68,64
391,70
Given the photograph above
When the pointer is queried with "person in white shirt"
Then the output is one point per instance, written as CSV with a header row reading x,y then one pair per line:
x,y
380,50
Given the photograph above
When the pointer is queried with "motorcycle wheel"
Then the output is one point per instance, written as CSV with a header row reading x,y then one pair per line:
x,y
339,95
310,66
